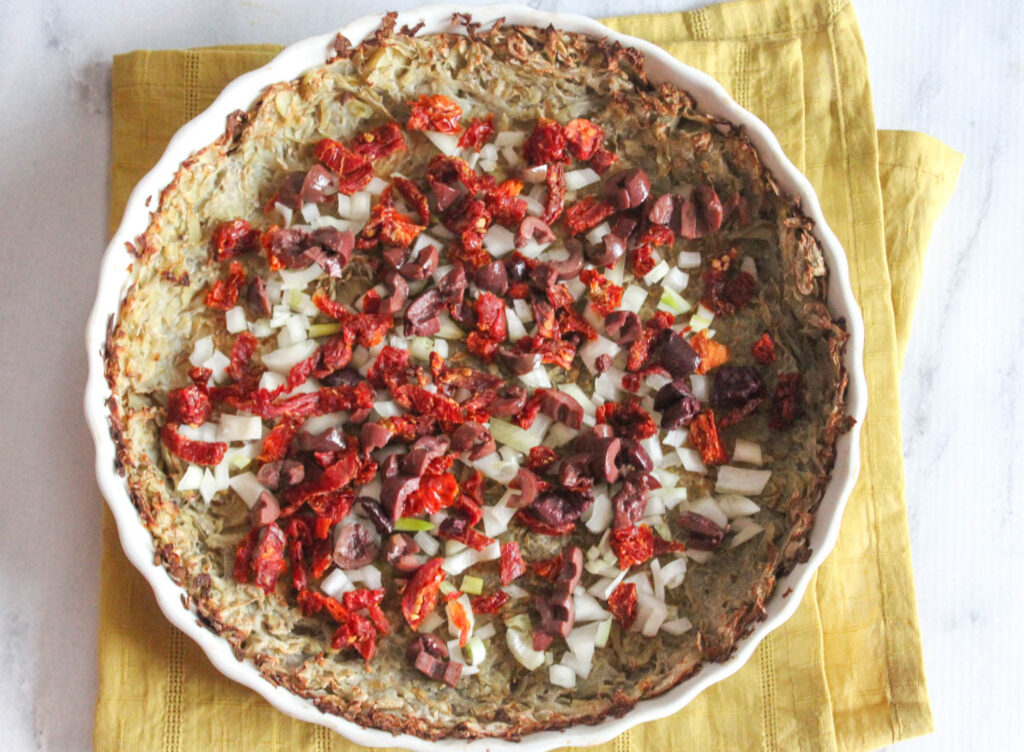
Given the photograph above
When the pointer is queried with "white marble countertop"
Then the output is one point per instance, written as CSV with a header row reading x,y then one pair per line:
x,y
953,68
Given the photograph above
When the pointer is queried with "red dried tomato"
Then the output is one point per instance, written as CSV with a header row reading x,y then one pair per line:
x,y
622,603
489,604
437,492
382,141
583,137
477,133
368,329
541,458
491,321
560,296
196,452
544,316
586,213
267,561
605,296
234,238
371,301
310,601
570,321
786,403
243,555
408,428
356,632
556,352
389,367
414,197
503,203
512,564
434,112
275,445
388,226
602,160
190,405
356,600
549,568
224,293
546,144
469,219
354,170
633,545
420,594
333,478
242,350
459,618
438,406
530,521
641,260
656,235
447,170
764,349
554,180
704,435
627,418
712,354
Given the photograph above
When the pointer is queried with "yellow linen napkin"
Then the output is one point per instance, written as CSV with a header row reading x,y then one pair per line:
x,y
845,673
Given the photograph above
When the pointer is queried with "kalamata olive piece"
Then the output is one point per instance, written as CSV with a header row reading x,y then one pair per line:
x,y
492,277
676,354
424,265
331,440
611,249
265,510
516,268
552,509
354,546
573,470
603,459
629,189
395,302
527,483
630,502
533,175
394,256
561,407
317,180
347,376
573,265
603,431
632,453
443,196
389,467
709,208
602,363
623,327
474,440
400,552
684,218
421,317
572,568
734,385
533,228
256,299
394,492
518,363
661,210
452,285
376,513
508,401
543,275
423,451
373,436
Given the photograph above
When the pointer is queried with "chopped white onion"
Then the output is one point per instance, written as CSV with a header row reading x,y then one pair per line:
x,y
605,587
190,479
749,266
673,573
533,249
733,506
336,584
655,275
516,328
300,279
700,557
310,213
496,518
670,497
466,558
446,143
369,576
271,380
432,622
562,676
240,428
595,236
533,207
688,260
537,378
576,179
559,434
511,156
282,359
285,212
234,320
691,461
747,452
509,138
673,302
748,529
320,423
218,363
376,186
741,480
521,646
594,349
699,386
652,445
587,607
360,206
706,507
247,488
677,626
633,298
676,280
515,592
201,351
654,617
498,241
523,310
427,543
519,439
608,386
486,632
674,438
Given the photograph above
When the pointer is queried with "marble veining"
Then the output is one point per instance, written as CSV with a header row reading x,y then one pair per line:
x,y
954,69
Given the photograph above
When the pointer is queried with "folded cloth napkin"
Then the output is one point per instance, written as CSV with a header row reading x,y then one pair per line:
x,y
845,672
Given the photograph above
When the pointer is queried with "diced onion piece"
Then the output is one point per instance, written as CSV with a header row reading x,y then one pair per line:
x,y
466,558
240,428
587,607
387,408
533,207
446,143
673,573
324,330
655,616
218,364
261,328
486,632
670,497
523,310
271,380
594,349
701,319
741,480
596,235
496,518
515,592
368,576
604,587
300,279
747,452
234,320
514,436
516,328
533,249
344,205
700,557
706,507
562,676
676,280
655,275
691,461
652,445
673,302
608,386
559,434
310,213
247,487
733,506
201,351
472,585
677,626
320,423
432,622
699,386
421,347
498,241
449,329
521,646
748,529
427,543
376,186
509,138
688,260
285,212
496,468
338,224
336,584
666,478
511,156
475,650
190,479
537,378
616,273
580,396
749,266
633,298
413,524
360,206
576,179
282,359
674,438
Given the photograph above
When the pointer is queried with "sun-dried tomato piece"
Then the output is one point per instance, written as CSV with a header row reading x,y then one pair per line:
x,y
371,301
438,406
414,197
570,321
224,293
704,435
583,137
764,349
420,594
242,350
448,170
434,112
786,402
196,452
605,296
586,213
356,632
641,260
459,618
364,598
234,238
461,529
546,144
554,180
437,492
602,160
656,235
275,445
408,428
540,459
622,603
469,218
712,354
512,564
388,226
490,311
504,204
529,520
633,545
556,352
189,404
267,561
389,368
383,141
560,296
336,156
333,478
243,555
627,418
477,133
368,329
548,568
489,604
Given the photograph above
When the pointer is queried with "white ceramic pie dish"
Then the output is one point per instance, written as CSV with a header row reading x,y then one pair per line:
x,y
310,53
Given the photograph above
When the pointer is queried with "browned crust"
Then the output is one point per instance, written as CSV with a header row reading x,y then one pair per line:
x,y
716,648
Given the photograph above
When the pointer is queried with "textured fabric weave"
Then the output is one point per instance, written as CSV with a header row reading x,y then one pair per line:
x,y
845,673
